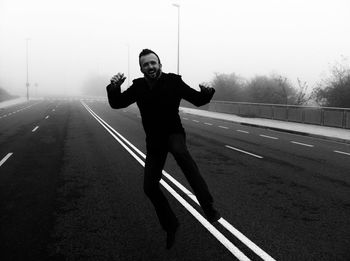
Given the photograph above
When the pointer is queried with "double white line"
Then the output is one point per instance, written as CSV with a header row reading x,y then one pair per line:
x,y
138,155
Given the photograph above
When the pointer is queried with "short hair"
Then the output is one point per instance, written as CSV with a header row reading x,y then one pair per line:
x,y
146,52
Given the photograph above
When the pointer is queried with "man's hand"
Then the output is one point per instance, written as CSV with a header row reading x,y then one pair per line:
x,y
206,89
118,79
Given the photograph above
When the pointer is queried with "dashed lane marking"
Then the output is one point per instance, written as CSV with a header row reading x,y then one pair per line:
x,y
5,158
243,151
302,144
242,131
195,120
342,152
47,117
268,137
223,127
37,127
207,123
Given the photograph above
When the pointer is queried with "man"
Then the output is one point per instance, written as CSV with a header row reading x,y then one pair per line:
x,y
158,97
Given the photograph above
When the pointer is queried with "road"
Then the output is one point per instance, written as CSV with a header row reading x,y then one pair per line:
x,y
71,175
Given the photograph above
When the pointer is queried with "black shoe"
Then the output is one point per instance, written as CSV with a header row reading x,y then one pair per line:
x,y
170,237
212,215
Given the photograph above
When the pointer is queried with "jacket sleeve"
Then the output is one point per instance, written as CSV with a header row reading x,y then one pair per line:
x,y
118,99
197,98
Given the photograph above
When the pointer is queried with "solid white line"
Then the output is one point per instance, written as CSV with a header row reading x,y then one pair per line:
x,y
302,144
37,127
222,221
269,137
242,131
217,234
207,123
243,151
223,127
5,158
342,152
222,239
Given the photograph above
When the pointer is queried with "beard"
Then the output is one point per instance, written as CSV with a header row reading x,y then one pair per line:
x,y
153,74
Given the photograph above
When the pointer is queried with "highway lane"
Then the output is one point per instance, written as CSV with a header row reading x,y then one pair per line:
x,y
28,179
89,204
301,195
70,192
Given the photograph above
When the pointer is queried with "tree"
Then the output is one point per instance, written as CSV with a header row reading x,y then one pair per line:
x,y
302,97
334,91
229,87
275,89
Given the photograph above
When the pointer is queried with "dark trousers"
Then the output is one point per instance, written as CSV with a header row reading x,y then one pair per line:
x,y
157,151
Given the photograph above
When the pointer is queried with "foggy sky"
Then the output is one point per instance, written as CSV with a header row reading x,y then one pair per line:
x,y
71,39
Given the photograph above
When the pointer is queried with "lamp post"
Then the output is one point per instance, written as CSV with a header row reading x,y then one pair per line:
x,y
27,84
178,37
128,65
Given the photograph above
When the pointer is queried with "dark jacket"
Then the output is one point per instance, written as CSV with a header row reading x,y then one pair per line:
x,y
159,105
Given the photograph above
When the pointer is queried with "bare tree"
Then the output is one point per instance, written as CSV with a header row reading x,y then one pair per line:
x,y
334,91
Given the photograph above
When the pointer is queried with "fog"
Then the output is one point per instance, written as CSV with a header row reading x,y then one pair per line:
x,y
72,41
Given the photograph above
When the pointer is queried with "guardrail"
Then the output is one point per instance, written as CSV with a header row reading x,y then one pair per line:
x,y
324,116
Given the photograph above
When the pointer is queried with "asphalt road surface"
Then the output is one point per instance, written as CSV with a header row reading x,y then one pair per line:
x,y
71,175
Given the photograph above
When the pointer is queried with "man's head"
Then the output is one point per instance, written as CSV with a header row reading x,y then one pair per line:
x,y
150,64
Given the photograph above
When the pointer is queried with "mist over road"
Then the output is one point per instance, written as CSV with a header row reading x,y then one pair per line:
x,y
71,177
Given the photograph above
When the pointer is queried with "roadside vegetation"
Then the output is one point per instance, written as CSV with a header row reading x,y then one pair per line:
x,y
332,91
4,95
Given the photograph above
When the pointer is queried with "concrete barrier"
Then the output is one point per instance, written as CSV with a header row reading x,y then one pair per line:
x,y
332,117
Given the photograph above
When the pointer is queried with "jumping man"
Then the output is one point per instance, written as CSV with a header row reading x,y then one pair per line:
x,y
158,97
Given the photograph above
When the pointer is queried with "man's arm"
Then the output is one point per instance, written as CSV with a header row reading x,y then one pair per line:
x,y
116,98
196,98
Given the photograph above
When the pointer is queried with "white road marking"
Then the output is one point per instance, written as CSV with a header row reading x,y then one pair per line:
x,y
37,127
5,158
185,119
243,131
53,109
243,151
342,152
302,144
223,127
47,117
268,137
207,123
195,120
233,249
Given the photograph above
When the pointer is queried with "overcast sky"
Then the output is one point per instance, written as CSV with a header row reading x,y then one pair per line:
x,y
71,39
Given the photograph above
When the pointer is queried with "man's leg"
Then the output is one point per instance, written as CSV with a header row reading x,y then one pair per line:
x,y
155,161
177,146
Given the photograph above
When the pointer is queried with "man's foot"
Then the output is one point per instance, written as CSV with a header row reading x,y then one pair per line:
x,y
212,215
170,236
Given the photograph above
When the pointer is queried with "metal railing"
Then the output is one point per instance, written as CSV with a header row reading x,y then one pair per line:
x,y
324,116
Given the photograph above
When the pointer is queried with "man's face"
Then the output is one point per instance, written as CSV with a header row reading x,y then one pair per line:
x,y
150,66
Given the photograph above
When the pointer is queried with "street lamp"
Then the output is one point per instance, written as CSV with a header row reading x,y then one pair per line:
x,y
27,84
128,65
178,37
